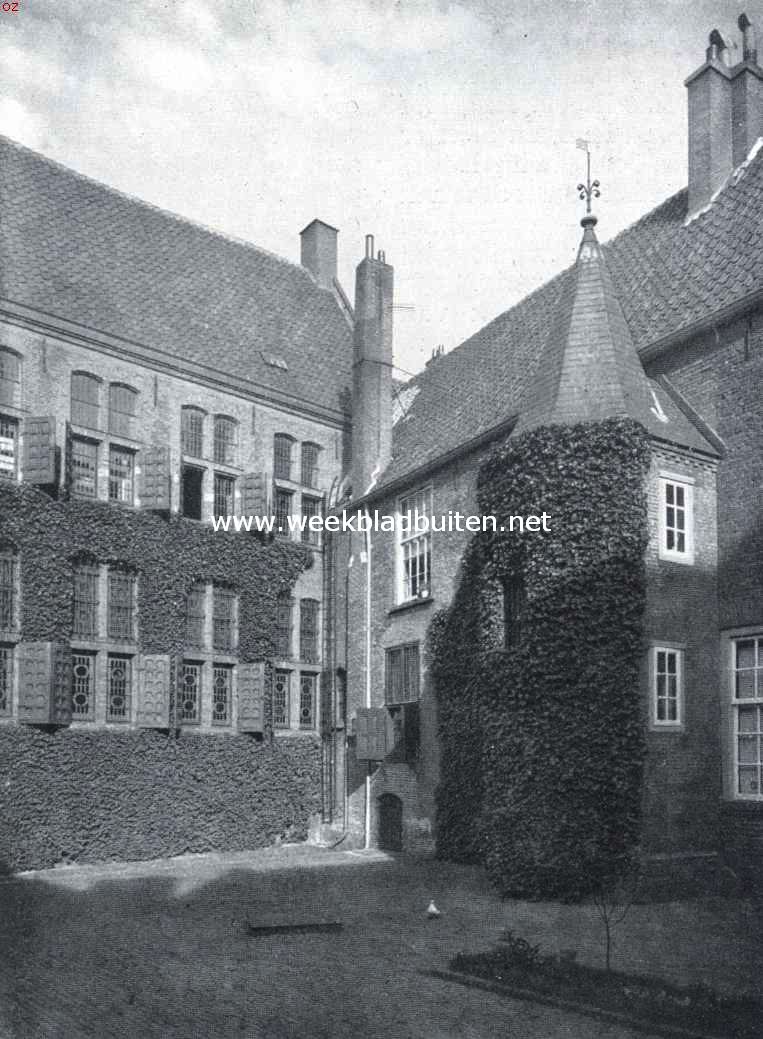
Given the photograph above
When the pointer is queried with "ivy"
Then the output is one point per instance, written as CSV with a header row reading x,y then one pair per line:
x,y
543,743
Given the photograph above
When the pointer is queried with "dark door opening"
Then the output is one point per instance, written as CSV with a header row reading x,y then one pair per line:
x,y
190,491
390,823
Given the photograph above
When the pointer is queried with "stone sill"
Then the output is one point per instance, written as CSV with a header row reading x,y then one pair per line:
x,y
411,604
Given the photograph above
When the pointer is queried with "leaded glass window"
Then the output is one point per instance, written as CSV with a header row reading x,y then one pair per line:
x,y
192,432
8,591
310,507
189,701
307,697
84,468
195,616
9,447
308,631
281,707
122,404
10,377
83,686
283,511
282,456
6,679
121,599
225,440
284,611
118,691
121,475
310,455
224,487
401,674
223,619
85,624
85,400
221,694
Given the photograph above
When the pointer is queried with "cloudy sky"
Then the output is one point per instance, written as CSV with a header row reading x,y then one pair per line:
x,y
445,128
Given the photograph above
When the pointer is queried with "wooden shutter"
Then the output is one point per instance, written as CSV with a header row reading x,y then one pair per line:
x,y
155,478
44,683
371,726
250,692
40,450
255,497
154,691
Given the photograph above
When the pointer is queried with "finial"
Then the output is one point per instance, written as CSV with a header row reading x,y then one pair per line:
x,y
590,189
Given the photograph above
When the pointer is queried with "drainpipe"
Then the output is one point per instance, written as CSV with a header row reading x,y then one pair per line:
x,y
367,843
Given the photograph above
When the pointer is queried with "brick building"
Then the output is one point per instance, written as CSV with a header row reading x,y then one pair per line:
x,y
153,373
663,324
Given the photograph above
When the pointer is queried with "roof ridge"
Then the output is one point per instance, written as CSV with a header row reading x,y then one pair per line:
x,y
135,200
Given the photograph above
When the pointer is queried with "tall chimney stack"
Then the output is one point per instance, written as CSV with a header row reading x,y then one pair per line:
x,y
372,370
725,114
319,252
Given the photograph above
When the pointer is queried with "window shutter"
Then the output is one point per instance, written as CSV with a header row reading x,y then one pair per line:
x,y
255,497
155,478
40,450
371,731
250,687
45,691
154,691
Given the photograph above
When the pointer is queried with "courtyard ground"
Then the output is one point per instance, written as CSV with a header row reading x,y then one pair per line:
x,y
150,950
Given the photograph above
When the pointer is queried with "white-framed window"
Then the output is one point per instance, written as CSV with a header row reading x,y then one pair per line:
x,y
9,447
667,686
121,475
189,693
222,691
676,517
83,686
119,688
747,709
414,546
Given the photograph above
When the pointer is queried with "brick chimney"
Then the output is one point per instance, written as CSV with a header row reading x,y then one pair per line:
x,y
372,370
725,114
319,252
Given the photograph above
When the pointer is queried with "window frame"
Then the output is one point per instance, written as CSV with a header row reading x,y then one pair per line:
x,y
185,669
309,611
735,705
10,388
284,607
405,650
686,484
10,555
224,447
121,420
7,678
84,458
128,607
678,650
308,536
79,656
12,424
89,417
120,480
284,673
423,577
308,687
191,439
283,464
220,481
310,473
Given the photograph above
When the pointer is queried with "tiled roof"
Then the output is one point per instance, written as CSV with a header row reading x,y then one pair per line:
x,y
75,249
668,276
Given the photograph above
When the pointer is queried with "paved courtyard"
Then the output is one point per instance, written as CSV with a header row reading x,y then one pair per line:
x,y
162,950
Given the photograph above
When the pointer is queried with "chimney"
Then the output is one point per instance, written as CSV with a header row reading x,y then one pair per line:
x,y
319,252
372,370
746,96
725,114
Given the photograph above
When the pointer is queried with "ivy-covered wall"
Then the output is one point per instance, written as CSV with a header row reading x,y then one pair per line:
x,y
543,742
88,793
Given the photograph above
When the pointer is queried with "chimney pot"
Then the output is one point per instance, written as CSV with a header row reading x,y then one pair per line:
x,y
369,246
749,47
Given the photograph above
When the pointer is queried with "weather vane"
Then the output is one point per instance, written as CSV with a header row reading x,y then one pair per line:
x,y
590,189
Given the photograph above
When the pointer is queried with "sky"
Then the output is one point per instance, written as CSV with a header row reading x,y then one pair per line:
x,y
446,129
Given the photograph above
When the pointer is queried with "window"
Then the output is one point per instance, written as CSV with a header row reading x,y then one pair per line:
x,y
85,623
122,400
415,546
283,511
10,377
513,609
9,451
307,689
283,625
223,619
6,679
221,694
84,468
747,695
83,686
119,673
189,699
676,526
121,475
192,432
308,631
8,590
310,454
85,395
191,482
195,616
224,486
281,708
282,447
667,686
310,507
401,674
225,440
121,595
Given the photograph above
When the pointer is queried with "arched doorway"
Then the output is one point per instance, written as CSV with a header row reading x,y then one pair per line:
x,y
390,837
